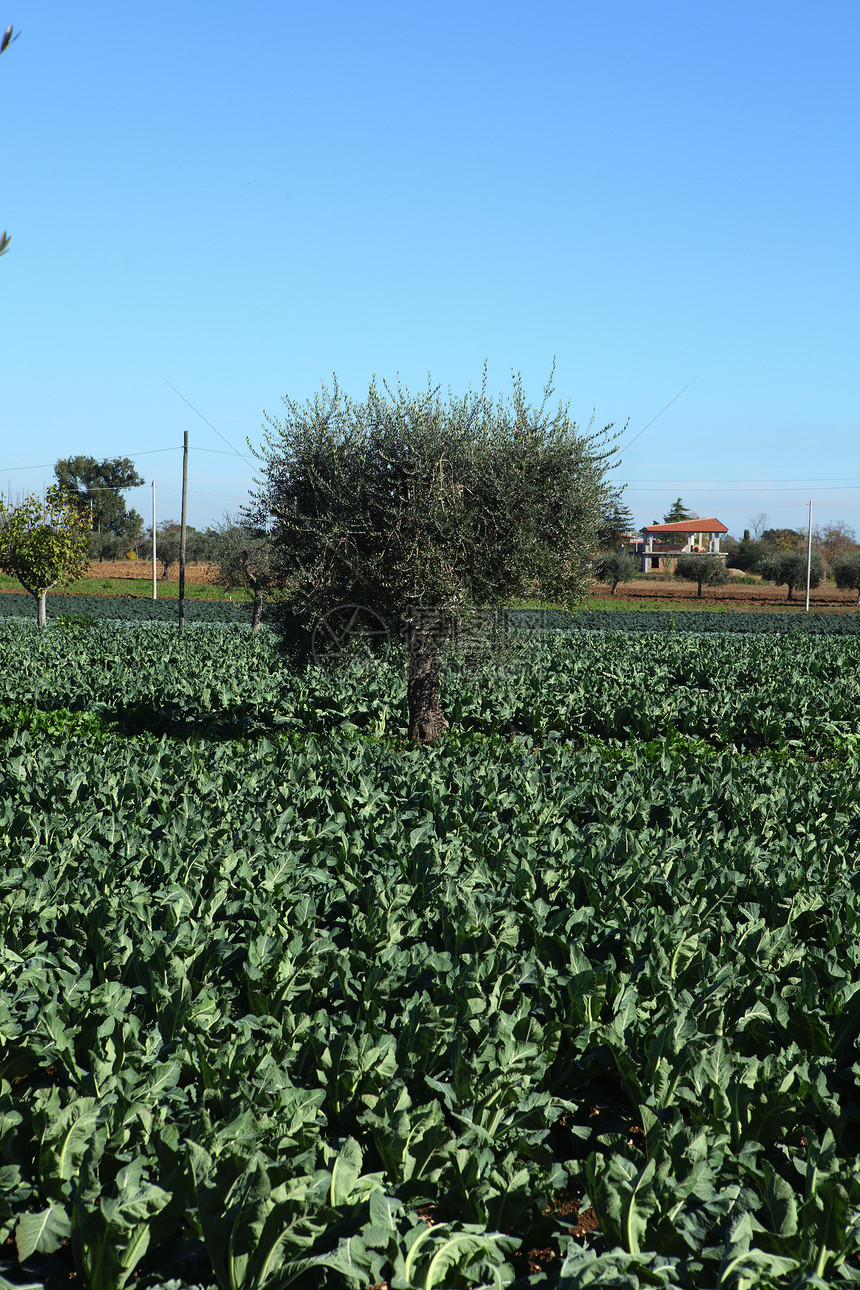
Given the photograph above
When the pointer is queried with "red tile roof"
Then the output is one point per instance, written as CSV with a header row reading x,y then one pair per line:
x,y
688,526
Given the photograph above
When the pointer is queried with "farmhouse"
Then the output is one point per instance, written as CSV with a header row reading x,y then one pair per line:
x,y
661,544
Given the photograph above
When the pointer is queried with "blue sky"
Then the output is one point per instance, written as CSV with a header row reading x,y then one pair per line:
x,y
242,201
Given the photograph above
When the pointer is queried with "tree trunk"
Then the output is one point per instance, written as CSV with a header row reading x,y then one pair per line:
x,y
43,609
426,719
790,590
257,611
699,592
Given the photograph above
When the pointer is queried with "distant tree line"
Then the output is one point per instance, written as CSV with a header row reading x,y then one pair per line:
x,y
778,555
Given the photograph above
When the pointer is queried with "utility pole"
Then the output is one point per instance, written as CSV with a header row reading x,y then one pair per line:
x,y
154,583
182,532
808,556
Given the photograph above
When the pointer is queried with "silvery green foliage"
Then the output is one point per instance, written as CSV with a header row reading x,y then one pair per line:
x,y
420,499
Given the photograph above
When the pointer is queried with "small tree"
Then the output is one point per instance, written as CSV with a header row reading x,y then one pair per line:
x,y
167,542
789,568
846,571
243,556
704,570
416,508
614,567
42,544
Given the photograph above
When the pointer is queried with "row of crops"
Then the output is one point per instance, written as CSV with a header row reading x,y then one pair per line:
x,y
133,609
572,999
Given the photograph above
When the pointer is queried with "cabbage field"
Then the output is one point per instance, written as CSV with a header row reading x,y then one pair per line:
x,y
571,999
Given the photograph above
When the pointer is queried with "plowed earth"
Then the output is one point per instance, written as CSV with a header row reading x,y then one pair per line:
x,y
763,597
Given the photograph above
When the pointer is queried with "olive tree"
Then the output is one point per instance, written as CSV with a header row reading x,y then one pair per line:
x,y
846,572
243,557
704,570
417,506
43,543
789,568
614,567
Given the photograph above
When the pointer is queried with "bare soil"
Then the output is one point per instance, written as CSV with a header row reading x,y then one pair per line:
x,y
763,597
200,573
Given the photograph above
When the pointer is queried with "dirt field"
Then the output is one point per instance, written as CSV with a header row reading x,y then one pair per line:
x,y
200,573
764,596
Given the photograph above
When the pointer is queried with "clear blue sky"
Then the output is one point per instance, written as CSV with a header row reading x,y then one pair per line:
x,y
243,200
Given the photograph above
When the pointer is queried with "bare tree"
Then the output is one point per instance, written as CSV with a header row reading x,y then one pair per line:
x,y
758,524
834,540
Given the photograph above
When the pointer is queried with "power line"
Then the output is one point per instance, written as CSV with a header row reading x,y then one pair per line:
x,y
798,488
659,414
49,465
209,423
705,483
171,488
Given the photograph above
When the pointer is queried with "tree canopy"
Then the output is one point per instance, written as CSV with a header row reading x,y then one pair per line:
x,y
97,486
200,544
747,555
616,521
846,572
43,543
788,568
833,541
244,558
776,540
614,567
677,513
704,570
418,500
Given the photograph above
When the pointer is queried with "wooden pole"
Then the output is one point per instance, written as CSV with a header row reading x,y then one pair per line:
x,y
154,583
808,557
182,532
